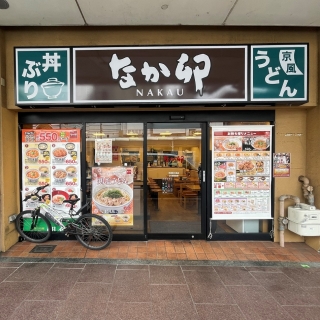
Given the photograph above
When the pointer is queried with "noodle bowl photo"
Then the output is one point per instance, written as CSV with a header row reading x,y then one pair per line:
x,y
260,143
232,144
112,197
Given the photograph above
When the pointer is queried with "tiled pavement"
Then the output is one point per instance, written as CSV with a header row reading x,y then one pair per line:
x,y
191,250
195,280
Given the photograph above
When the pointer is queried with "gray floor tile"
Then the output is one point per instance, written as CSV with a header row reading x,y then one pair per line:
x,y
174,310
56,285
264,269
221,312
61,265
55,290
172,293
133,267
82,290
31,272
166,275
129,310
132,277
197,268
12,294
256,303
97,273
10,264
83,310
235,276
71,290
199,277
17,291
209,293
130,293
314,292
304,277
284,290
6,272
36,310
303,312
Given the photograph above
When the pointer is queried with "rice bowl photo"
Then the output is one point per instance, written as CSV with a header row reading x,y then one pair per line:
x,y
32,154
60,175
59,154
33,175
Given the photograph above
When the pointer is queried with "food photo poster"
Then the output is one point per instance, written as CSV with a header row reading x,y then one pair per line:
x,y
112,194
51,157
281,165
242,172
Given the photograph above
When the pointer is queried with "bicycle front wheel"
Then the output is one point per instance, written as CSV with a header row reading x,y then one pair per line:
x,y
93,231
33,226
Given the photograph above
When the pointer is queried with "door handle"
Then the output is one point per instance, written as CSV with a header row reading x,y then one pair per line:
x,y
203,176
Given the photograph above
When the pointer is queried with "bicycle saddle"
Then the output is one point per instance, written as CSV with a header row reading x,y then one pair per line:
x,y
73,202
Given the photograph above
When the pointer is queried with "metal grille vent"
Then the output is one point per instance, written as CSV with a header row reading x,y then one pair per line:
x,y
43,249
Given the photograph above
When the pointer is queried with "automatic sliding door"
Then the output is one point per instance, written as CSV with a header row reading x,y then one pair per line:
x,y
174,195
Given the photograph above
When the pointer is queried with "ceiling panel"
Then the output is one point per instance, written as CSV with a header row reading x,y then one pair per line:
x,y
275,13
41,13
156,12
164,12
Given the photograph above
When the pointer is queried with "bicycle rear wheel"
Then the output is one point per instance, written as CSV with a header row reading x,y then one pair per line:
x,y
32,226
93,231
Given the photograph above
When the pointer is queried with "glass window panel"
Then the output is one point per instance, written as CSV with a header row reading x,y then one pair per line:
x,y
114,154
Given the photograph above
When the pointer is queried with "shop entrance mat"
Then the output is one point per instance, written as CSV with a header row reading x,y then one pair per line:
x,y
43,249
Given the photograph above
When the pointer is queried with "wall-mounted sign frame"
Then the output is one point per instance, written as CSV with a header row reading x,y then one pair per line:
x,y
42,76
241,172
206,75
279,73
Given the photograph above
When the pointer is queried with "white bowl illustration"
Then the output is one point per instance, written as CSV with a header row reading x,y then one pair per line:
x,y
108,205
52,88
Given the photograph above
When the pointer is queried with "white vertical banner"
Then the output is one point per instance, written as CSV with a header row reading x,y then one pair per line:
x,y
103,151
241,172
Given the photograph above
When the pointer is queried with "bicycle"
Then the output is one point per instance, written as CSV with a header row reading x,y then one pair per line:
x,y
91,230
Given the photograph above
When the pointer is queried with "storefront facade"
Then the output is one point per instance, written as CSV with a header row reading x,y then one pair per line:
x,y
164,143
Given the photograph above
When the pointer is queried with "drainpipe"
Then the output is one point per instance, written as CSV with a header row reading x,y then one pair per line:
x,y
282,220
307,190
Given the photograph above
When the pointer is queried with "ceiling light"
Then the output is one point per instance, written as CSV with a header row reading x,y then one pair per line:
x,y
167,133
197,133
98,134
131,133
4,4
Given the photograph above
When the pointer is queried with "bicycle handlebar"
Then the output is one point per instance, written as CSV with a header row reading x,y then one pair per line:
x,y
35,193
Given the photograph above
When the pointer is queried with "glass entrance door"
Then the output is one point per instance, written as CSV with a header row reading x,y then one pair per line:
x,y
173,170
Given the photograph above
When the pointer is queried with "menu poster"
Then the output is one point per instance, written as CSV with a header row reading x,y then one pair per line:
x,y
103,151
242,168
51,157
112,194
281,165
